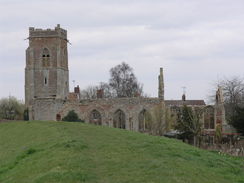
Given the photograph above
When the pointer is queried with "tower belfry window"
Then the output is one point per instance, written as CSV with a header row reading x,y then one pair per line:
x,y
45,81
45,58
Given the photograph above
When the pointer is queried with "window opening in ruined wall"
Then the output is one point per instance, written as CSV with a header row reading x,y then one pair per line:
x,y
58,117
119,119
209,118
95,117
45,81
145,121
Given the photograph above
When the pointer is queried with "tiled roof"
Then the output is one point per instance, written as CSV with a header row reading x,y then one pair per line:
x,y
186,102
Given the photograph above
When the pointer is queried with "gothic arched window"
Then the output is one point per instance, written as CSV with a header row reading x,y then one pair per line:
x,y
209,118
45,57
95,117
145,121
119,119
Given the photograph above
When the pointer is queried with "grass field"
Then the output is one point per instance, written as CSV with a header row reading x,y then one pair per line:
x,y
51,152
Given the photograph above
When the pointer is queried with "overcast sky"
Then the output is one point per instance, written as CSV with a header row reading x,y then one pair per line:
x,y
196,41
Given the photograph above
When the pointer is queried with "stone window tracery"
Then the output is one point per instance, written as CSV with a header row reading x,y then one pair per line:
x,y
119,119
95,117
45,58
145,121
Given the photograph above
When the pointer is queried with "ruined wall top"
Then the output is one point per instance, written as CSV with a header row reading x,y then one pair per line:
x,y
122,101
42,33
219,96
161,84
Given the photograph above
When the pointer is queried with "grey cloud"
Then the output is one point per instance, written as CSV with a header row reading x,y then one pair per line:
x,y
195,41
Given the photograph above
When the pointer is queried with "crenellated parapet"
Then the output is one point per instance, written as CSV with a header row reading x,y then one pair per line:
x,y
48,33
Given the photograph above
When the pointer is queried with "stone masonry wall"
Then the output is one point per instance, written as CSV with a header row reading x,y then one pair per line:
x,y
107,107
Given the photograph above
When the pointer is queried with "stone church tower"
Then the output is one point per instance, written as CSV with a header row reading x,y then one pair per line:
x,y
46,72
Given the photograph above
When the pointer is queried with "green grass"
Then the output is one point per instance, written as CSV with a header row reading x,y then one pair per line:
x,y
67,152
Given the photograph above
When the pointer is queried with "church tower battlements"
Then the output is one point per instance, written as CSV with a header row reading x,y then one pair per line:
x,y
46,71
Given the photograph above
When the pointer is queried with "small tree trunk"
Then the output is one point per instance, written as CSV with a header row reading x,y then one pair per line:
x,y
195,140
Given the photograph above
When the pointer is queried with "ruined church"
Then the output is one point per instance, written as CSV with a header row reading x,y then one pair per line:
x,y
47,93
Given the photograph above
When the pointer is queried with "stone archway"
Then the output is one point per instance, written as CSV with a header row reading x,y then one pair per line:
x,y
119,119
145,121
58,117
95,117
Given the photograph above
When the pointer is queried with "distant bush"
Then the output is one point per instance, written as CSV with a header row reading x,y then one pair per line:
x,y
11,108
26,114
72,117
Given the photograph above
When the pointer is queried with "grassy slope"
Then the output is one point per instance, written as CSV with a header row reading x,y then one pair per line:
x,y
75,152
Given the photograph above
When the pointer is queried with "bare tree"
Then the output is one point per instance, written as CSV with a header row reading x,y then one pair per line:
x,y
233,93
233,90
108,91
91,91
124,82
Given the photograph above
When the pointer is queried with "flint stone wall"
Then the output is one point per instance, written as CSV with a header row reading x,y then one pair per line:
x,y
48,109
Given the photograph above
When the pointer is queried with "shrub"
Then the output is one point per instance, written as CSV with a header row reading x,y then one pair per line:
x,y
72,117
26,114
11,108
238,119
